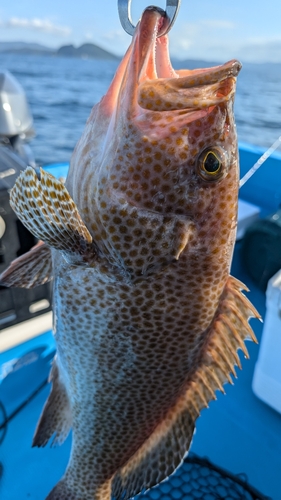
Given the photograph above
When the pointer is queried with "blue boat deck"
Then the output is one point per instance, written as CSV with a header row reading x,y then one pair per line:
x,y
237,432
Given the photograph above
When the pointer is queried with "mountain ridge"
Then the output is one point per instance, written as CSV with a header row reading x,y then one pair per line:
x,y
84,51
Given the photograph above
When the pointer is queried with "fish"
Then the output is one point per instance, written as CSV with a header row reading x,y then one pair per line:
x,y
138,242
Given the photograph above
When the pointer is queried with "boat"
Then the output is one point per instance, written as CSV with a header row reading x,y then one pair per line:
x,y
236,449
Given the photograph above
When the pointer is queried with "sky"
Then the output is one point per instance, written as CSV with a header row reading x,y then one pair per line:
x,y
213,30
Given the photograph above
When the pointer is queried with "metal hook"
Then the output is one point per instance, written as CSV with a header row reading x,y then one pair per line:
x,y
171,12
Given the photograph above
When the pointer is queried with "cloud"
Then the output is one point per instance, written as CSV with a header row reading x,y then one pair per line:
x,y
219,40
217,24
43,25
197,38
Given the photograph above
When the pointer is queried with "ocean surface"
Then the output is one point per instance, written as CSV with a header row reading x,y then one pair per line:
x,y
62,91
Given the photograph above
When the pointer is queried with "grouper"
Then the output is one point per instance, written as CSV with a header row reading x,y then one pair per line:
x,y
139,243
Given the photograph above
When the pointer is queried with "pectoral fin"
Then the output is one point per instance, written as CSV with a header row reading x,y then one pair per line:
x,y
56,415
45,207
31,269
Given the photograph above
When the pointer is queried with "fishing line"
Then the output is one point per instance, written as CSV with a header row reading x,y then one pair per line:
x,y
3,426
260,161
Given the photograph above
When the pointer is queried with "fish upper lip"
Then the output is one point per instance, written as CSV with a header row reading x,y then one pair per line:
x,y
208,76
184,89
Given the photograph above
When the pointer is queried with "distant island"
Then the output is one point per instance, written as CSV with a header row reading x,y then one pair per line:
x,y
85,51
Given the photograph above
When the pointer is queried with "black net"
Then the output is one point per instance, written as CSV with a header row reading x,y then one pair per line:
x,y
198,478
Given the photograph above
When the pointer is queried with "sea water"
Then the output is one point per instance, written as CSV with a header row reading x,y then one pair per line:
x,y
62,91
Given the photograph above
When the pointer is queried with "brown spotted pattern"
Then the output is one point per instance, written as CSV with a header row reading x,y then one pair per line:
x,y
148,328
175,431
142,211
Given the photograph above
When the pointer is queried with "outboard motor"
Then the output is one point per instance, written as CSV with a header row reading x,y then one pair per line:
x,y
15,117
16,124
16,129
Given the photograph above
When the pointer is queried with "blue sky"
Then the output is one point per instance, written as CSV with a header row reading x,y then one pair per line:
x,y
205,29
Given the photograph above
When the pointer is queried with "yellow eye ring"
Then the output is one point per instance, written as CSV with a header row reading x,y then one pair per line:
x,y
212,164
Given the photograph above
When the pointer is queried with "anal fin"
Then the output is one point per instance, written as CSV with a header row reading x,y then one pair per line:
x,y
45,207
56,414
29,270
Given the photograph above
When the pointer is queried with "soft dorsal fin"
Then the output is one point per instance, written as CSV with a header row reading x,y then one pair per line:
x,y
45,207
165,448
29,270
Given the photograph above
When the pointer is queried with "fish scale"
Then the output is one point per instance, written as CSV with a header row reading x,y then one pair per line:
x,y
147,319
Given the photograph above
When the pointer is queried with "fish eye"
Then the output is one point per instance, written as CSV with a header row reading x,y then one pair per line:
x,y
212,164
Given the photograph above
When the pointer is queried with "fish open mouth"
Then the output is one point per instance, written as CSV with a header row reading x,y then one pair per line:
x,y
161,88
146,80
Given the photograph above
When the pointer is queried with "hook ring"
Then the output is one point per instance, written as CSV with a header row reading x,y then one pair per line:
x,y
171,12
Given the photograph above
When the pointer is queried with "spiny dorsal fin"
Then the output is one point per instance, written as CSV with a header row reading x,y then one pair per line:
x,y
31,269
165,448
56,415
46,209
228,334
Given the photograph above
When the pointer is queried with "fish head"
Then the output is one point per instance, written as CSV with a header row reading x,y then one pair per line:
x,y
156,170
